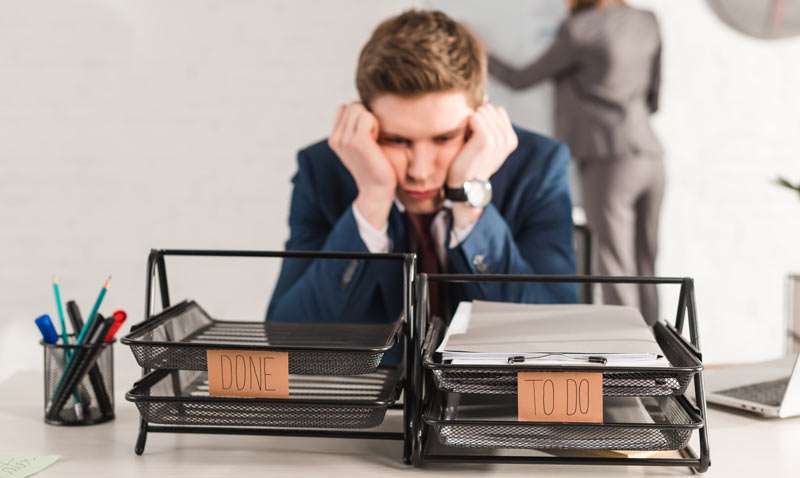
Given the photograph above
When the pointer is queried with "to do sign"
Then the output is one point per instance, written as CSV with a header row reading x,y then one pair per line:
x,y
560,397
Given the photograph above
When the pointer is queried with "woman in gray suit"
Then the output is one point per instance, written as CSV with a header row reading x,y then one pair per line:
x,y
606,62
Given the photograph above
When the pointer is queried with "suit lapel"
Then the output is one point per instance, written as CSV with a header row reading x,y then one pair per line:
x,y
398,230
391,291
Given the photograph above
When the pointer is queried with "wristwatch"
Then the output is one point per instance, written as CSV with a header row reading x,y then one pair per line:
x,y
475,192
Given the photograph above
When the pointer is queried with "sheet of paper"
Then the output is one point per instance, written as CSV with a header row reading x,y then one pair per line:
x,y
491,332
21,466
459,324
456,358
574,328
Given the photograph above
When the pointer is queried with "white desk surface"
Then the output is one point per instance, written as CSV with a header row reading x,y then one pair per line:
x,y
741,446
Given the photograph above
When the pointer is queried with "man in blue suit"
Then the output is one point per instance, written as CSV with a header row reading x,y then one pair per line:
x,y
424,163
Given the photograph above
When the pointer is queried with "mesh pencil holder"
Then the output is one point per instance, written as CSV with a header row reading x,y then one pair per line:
x,y
91,400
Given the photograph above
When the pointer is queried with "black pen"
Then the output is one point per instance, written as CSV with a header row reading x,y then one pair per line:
x,y
81,363
95,376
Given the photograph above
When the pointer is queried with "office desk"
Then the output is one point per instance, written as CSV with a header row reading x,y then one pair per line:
x,y
741,445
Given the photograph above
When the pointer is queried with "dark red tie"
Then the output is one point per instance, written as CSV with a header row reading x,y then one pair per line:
x,y
428,262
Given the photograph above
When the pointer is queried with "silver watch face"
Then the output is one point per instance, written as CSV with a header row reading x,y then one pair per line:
x,y
479,192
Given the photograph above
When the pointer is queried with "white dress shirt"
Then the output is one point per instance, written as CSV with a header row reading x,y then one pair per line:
x,y
377,240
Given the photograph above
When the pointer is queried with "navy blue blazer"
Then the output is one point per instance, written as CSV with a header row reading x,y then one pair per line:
x,y
527,229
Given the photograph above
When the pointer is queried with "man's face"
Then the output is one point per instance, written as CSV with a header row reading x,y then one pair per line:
x,y
421,136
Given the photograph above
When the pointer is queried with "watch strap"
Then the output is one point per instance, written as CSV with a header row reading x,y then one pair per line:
x,y
455,194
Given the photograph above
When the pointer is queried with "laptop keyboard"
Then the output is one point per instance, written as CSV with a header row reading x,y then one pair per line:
x,y
768,393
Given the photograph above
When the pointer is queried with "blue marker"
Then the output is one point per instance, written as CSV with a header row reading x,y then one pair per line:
x,y
49,334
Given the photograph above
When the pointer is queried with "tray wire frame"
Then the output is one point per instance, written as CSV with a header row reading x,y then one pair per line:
x,y
671,424
156,269
671,380
423,380
314,402
180,339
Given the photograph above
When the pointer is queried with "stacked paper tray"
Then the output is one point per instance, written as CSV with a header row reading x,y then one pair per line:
x,y
617,381
669,426
181,398
179,338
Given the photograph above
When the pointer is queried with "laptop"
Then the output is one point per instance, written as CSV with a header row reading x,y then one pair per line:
x,y
770,389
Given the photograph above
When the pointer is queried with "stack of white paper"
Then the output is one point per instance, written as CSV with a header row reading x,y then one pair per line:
x,y
494,332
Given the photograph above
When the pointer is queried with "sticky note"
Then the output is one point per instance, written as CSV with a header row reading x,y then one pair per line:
x,y
248,373
20,466
560,397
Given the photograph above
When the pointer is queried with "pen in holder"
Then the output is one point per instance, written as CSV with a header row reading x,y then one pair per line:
x,y
78,383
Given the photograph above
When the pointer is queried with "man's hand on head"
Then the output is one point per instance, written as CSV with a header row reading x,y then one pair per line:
x,y
354,139
491,140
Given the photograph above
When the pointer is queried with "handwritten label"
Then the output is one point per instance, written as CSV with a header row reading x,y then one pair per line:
x,y
560,397
247,373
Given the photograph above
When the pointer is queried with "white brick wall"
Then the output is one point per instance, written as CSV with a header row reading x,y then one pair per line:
x,y
731,124
129,125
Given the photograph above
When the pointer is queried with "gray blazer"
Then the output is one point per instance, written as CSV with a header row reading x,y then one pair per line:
x,y
606,63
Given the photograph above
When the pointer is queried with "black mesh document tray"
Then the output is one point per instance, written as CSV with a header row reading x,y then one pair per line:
x,y
494,425
471,409
617,381
179,337
314,401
